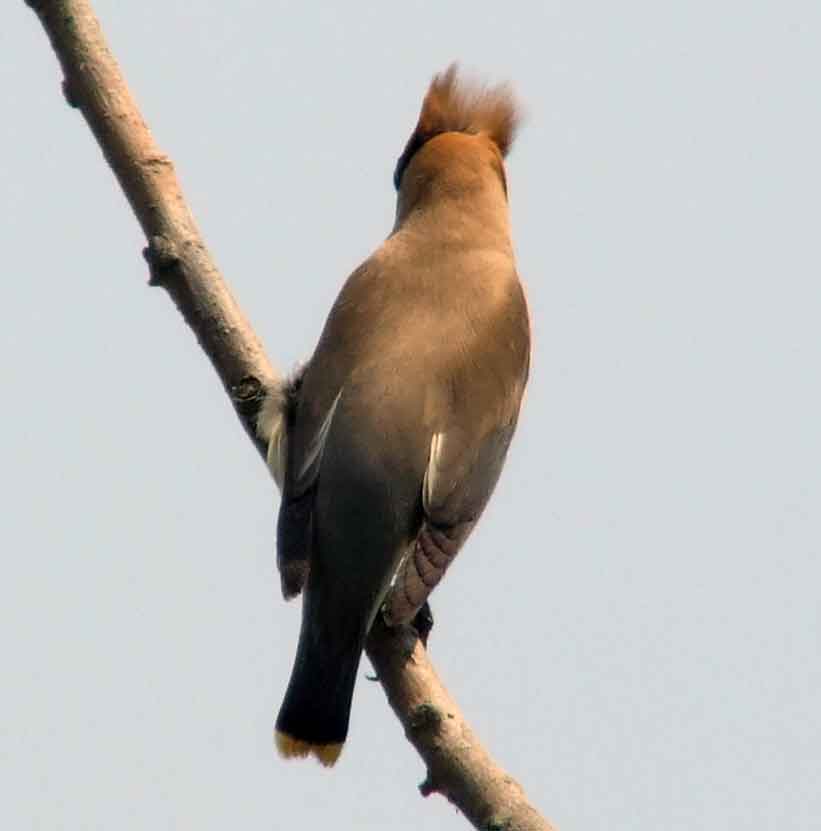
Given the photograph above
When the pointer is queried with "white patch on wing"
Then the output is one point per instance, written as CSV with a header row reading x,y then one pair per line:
x,y
313,453
434,469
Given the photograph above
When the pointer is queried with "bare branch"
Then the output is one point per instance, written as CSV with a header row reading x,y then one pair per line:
x,y
176,252
458,766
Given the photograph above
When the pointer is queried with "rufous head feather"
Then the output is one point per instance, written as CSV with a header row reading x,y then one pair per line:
x,y
454,104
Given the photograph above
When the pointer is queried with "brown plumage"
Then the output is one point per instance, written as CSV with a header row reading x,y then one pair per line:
x,y
453,105
394,436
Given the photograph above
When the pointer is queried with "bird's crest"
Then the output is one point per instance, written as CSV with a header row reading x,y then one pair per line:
x,y
454,104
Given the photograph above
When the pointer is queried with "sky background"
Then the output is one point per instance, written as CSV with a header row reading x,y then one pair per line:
x,y
635,628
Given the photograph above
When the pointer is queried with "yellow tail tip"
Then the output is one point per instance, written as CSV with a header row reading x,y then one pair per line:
x,y
291,748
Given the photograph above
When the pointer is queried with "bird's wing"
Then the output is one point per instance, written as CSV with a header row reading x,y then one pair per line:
x,y
459,480
296,507
307,467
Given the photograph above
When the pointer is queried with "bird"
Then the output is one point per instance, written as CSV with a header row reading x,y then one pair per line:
x,y
389,441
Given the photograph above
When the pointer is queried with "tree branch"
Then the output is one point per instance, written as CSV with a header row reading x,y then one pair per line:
x,y
458,766
176,252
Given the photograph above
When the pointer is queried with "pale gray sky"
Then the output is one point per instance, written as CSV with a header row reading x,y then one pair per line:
x,y
634,630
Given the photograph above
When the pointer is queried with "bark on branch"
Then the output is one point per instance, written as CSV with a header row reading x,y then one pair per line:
x,y
176,252
458,766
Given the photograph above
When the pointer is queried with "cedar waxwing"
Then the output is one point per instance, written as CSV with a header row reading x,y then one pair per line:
x,y
390,441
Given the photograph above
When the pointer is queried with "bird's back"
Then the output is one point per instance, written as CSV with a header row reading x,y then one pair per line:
x,y
399,427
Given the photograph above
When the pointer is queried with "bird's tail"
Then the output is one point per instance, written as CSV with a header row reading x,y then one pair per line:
x,y
313,719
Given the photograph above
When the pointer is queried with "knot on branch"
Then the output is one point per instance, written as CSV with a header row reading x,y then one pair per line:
x,y
425,717
162,256
496,824
158,161
70,94
247,389
428,787
248,394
